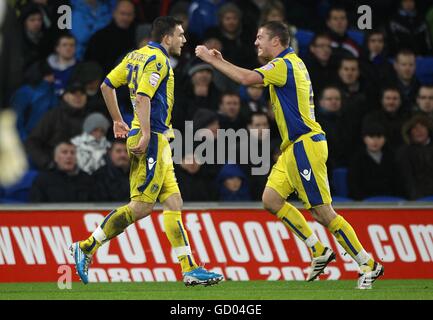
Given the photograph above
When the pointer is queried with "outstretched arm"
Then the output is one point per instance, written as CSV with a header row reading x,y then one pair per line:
x,y
240,75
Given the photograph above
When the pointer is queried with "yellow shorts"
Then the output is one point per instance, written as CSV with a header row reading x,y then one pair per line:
x,y
151,175
302,168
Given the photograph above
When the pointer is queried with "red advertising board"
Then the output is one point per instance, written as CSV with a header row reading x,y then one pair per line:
x,y
242,244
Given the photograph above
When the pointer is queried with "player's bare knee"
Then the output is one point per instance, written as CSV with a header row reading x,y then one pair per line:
x,y
324,214
140,209
271,202
173,203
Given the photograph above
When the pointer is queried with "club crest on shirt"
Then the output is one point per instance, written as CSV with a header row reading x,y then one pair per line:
x,y
153,79
268,66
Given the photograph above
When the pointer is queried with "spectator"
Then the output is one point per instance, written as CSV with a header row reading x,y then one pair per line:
x,y
236,47
424,101
319,62
390,116
112,179
203,15
194,181
330,117
415,159
198,93
372,170
257,124
35,43
92,144
404,77
274,10
232,184
253,99
59,124
337,24
111,43
356,105
36,97
408,29
90,74
229,111
89,16
63,62
375,55
65,182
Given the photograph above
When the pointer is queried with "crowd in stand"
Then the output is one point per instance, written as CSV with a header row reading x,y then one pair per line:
x,y
376,113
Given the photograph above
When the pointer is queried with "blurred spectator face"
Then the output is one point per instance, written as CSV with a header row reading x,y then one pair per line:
x,y
425,99
98,133
190,165
33,23
202,77
124,14
337,21
391,101
331,100
259,122
405,66
419,134
65,157
376,43
76,99
230,106
408,5
349,72
374,143
213,43
66,48
119,155
49,78
92,87
233,184
275,15
255,92
321,49
230,22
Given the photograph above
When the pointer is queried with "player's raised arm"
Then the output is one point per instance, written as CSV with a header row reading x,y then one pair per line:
x,y
240,75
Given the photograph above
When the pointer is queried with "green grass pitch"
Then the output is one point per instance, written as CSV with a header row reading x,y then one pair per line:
x,y
229,290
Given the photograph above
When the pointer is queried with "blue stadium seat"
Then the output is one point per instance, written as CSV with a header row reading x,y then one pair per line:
x,y
341,199
304,38
19,193
356,36
428,198
384,199
424,70
339,182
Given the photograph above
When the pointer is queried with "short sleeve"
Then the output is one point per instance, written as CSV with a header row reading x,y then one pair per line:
x,y
155,71
275,72
117,76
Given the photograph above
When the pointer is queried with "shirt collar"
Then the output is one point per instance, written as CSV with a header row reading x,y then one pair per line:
x,y
285,51
159,46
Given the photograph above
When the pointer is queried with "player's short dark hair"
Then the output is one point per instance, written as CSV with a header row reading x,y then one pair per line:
x,y
278,29
163,26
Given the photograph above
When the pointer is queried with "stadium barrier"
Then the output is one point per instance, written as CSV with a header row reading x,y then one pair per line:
x,y
242,242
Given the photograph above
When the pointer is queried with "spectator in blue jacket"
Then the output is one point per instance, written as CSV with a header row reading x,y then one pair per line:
x,y
203,14
32,100
232,184
63,62
89,16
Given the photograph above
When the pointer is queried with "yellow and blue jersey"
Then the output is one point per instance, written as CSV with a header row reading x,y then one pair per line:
x,y
291,96
147,71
